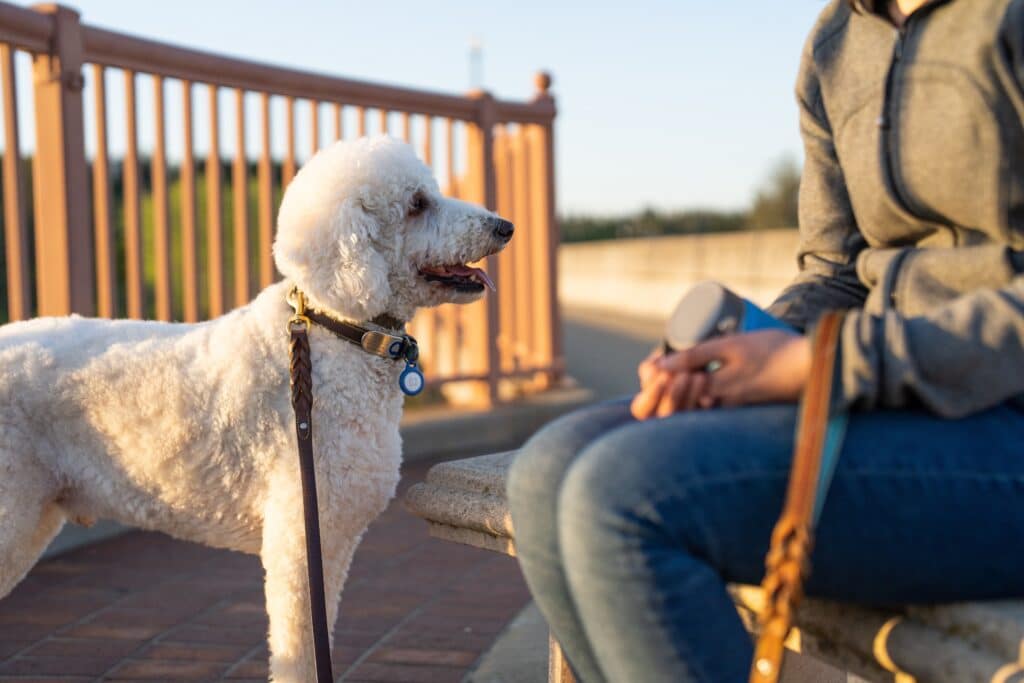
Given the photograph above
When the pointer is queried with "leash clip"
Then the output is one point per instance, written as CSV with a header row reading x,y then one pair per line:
x,y
299,322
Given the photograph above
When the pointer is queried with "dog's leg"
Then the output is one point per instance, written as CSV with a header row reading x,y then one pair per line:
x,y
29,519
284,560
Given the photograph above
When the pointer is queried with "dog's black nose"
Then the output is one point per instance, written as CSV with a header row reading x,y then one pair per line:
x,y
504,229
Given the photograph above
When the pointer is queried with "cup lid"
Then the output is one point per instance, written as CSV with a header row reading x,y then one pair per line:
x,y
698,315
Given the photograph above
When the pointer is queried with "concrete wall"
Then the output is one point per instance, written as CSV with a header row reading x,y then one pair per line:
x,y
646,277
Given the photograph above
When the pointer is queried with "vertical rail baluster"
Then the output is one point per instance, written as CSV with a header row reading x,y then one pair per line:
x,y
406,126
132,208
101,201
481,188
65,277
240,195
161,210
544,243
383,121
508,291
339,123
428,141
314,122
433,315
360,122
523,269
214,217
451,315
16,237
546,236
266,200
449,158
189,261
288,166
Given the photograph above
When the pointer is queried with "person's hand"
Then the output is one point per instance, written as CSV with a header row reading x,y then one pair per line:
x,y
663,392
757,367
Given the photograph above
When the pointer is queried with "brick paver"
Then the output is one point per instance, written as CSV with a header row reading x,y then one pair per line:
x,y
145,607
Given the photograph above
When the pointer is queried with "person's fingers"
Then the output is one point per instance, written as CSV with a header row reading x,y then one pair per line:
x,y
648,366
645,403
674,394
697,357
696,390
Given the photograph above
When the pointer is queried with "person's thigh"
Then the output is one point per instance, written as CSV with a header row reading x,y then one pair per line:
x,y
656,517
533,484
921,509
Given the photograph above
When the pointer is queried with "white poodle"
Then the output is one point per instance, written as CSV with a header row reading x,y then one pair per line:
x,y
188,429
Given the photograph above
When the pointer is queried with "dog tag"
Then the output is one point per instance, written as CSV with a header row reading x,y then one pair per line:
x,y
411,380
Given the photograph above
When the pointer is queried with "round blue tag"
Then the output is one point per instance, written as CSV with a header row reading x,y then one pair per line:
x,y
411,380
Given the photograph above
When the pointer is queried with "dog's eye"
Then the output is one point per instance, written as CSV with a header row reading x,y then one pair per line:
x,y
419,204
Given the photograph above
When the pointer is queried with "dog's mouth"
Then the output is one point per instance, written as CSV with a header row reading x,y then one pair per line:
x,y
459,277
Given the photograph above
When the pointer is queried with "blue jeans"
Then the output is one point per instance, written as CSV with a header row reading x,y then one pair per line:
x,y
628,532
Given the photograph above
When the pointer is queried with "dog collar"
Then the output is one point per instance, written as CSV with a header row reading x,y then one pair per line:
x,y
374,340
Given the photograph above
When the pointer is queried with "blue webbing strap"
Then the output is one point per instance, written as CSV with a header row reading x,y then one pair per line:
x,y
834,433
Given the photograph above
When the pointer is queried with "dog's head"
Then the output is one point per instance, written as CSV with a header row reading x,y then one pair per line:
x,y
364,230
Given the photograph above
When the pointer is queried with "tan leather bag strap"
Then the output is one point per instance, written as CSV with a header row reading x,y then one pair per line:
x,y
787,561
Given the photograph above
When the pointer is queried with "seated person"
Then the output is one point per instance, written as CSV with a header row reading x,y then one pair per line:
x,y
631,517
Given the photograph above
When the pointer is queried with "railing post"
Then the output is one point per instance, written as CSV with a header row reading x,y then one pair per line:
x,y
484,317
65,272
545,253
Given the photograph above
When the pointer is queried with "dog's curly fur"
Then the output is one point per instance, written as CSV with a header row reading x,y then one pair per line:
x,y
187,428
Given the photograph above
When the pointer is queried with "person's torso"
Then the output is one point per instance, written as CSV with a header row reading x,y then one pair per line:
x,y
926,122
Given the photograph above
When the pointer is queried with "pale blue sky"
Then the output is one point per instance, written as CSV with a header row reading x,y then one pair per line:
x,y
673,104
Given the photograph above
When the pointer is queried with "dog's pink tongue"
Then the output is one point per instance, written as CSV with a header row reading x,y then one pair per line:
x,y
477,274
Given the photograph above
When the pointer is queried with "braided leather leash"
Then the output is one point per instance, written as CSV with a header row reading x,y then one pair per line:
x,y
817,445
301,370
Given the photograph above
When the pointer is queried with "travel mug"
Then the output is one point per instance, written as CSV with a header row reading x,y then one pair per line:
x,y
711,310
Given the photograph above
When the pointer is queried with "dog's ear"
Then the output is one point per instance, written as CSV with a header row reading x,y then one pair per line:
x,y
335,262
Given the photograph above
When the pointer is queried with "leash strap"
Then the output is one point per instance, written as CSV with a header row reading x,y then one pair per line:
x,y
301,369
818,441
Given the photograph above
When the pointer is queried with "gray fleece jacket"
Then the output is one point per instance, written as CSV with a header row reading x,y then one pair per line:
x,y
912,203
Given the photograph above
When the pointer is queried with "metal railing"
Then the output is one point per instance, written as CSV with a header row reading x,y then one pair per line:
x,y
142,237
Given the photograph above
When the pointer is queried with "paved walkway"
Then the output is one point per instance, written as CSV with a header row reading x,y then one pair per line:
x,y
145,607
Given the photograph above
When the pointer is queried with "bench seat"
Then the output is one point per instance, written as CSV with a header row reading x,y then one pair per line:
x,y
464,501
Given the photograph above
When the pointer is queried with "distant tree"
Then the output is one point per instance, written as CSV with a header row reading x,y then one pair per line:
x,y
649,223
775,205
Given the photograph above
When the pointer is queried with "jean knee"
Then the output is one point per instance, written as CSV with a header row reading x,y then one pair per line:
x,y
536,473
602,494
637,484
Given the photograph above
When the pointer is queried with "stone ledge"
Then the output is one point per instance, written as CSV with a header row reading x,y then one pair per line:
x,y
464,501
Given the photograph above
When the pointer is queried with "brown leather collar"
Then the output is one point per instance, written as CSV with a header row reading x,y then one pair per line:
x,y
379,341
388,322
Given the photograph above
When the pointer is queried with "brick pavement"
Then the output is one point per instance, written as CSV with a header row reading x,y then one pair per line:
x,y
144,607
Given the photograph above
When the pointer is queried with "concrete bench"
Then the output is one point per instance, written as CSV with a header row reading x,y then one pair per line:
x,y
464,501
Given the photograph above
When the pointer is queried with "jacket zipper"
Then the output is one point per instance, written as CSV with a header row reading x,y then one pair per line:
x,y
886,120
